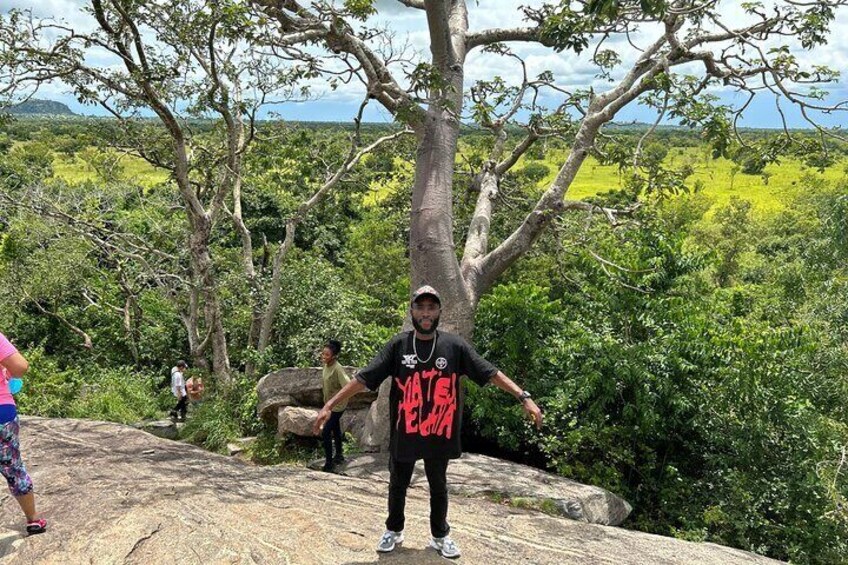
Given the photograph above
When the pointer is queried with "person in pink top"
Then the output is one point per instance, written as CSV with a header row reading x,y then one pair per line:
x,y
13,365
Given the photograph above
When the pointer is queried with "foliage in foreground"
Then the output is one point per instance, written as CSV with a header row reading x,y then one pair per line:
x,y
709,391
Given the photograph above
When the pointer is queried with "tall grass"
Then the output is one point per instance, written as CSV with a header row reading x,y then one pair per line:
x,y
75,170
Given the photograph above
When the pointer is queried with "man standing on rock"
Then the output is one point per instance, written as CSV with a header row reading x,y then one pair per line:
x,y
178,389
425,411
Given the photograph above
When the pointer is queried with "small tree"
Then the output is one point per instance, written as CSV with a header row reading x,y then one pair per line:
x,y
184,61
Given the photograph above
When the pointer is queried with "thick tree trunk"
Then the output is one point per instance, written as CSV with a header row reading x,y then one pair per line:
x,y
131,317
431,246
196,346
201,262
255,326
275,294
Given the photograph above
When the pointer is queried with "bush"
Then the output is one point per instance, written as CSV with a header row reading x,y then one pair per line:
x,y
117,394
318,305
534,171
47,391
211,424
720,413
225,414
268,450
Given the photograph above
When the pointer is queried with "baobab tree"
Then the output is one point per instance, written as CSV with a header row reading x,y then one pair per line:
x,y
685,49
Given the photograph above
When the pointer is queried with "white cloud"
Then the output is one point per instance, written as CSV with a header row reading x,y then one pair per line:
x,y
409,25
67,11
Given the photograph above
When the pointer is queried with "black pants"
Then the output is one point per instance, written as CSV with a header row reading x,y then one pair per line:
x,y
332,432
400,474
180,408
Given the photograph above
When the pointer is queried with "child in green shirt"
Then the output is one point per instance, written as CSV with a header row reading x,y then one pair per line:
x,y
334,379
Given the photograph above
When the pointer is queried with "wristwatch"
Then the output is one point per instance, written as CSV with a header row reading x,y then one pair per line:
x,y
524,396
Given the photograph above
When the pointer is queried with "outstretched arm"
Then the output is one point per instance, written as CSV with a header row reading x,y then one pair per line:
x,y
350,389
505,383
15,364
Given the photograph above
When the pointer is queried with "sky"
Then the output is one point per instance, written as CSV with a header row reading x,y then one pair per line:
x,y
571,71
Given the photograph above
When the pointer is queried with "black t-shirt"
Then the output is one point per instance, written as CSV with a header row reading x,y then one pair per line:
x,y
425,403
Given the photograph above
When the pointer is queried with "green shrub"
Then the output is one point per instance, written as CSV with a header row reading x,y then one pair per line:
x,y
225,414
117,394
211,424
269,450
720,413
47,391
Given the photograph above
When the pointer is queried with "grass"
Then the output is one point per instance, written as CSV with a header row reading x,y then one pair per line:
x,y
268,449
76,170
768,193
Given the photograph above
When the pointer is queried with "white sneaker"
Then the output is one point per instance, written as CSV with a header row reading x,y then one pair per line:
x,y
389,540
445,546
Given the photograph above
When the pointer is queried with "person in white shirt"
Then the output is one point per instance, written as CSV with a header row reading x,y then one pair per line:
x,y
178,389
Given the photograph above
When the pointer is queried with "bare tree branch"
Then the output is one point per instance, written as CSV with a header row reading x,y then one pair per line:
x,y
86,338
419,4
490,36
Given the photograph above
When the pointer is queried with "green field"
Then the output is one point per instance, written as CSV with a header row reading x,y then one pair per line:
x,y
77,170
769,192
784,179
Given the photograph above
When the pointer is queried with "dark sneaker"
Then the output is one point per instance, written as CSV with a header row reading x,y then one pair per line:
x,y
328,467
37,526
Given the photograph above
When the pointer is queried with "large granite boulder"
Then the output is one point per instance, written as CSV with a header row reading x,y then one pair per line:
x,y
480,475
295,420
353,422
375,434
298,420
115,494
298,387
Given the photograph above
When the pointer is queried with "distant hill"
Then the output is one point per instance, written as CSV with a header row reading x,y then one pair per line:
x,y
42,107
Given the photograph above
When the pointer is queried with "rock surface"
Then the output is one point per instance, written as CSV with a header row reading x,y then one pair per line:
x,y
239,445
115,494
480,475
167,429
295,420
375,435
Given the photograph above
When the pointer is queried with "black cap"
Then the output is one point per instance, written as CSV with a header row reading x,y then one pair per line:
x,y
426,290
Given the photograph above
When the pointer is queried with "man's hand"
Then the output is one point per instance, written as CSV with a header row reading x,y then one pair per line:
x,y
322,418
350,389
533,412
